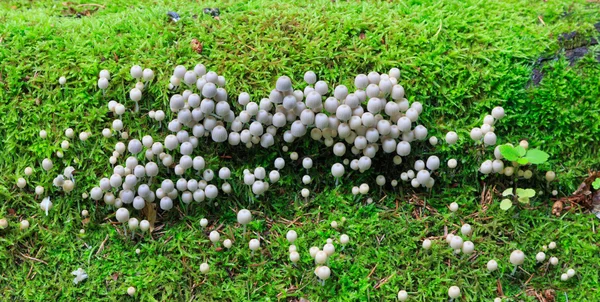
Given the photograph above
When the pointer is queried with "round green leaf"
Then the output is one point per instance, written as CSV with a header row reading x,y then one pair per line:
x,y
506,204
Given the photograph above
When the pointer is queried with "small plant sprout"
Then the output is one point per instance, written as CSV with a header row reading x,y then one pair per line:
x,y
80,275
323,272
466,229
426,244
453,292
254,245
522,195
552,245
453,207
492,265
540,257
244,217
122,216
204,268
203,222
62,81
214,237
291,236
517,257
131,291
24,224
554,261
571,273
402,296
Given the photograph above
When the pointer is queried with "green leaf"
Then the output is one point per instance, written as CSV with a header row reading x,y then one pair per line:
x,y
525,192
507,192
522,161
506,204
536,156
596,184
524,200
509,152
521,150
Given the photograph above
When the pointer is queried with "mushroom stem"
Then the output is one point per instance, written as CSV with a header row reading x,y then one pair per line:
x,y
125,230
132,234
137,107
514,270
337,181
244,230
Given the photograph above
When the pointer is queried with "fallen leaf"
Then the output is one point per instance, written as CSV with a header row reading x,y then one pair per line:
x,y
362,35
115,276
196,46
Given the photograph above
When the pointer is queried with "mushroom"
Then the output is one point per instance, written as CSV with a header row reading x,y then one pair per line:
x,y
554,261
451,138
291,236
453,292
323,272
204,268
24,224
552,245
214,237
492,265
540,257
254,245
402,296
122,216
517,258
131,291
426,244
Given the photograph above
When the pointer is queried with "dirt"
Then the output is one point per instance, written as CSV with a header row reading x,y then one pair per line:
x,y
575,47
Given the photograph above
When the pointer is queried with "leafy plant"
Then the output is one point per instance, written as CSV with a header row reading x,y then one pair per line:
x,y
523,156
522,195
596,184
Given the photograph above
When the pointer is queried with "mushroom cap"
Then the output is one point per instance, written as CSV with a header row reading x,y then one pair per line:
x,y
254,244
323,272
540,257
490,138
310,77
337,170
402,295
454,292
517,257
492,265
244,216
291,236
122,215
204,268
284,84
456,242
214,236
468,247
451,137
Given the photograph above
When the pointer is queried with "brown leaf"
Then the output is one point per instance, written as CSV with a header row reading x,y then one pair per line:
x,y
362,35
149,211
557,208
11,211
196,46
116,57
549,294
115,276
499,288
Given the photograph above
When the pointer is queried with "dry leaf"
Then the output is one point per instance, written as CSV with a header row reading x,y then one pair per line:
x,y
149,211
196,46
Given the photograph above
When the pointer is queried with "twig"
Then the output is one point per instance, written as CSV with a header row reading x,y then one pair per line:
x,y
101,248
34,259
91,4
372,271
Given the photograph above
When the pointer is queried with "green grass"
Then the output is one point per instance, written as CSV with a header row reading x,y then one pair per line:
x,y
458,58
